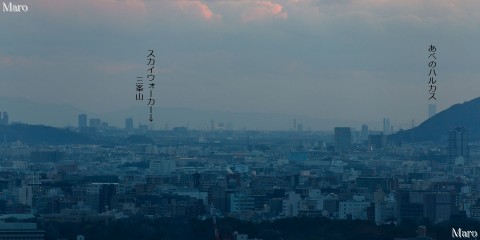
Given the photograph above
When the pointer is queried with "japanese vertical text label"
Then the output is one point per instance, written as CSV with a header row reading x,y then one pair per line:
x,y
432,74
151,83
150,77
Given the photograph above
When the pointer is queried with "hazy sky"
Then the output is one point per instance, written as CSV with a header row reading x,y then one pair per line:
x,y
337,59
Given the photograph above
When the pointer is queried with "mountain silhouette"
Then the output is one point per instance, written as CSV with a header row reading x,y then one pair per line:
x,y
436,128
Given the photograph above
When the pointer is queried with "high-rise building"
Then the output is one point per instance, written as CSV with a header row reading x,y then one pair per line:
x,y
343,139
82,121
432,109
129,124
364,134
94,122
386,126
101,197
438,206
458,145
377,141
4,118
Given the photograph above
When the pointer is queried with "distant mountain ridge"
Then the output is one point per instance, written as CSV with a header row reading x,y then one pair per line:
x,y
436,128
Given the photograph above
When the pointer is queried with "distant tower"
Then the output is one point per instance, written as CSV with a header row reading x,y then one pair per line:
x,y
432,109
129,124
5,118
458,145
294,124
386,126
364,131
82,121
343,139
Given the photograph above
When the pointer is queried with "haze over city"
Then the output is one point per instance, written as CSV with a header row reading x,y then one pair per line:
x,y
345,60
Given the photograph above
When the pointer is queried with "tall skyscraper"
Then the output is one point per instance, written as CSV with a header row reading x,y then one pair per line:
x,y
4,119
432,109
458,145
343,139
364,134
82,121
386,126
129,124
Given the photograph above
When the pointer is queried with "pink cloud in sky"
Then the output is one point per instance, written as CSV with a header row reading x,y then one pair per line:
x,y
15,61
6,61
197,8
263,10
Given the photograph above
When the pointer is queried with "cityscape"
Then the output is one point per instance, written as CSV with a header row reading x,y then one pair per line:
x,y
239,120
106,175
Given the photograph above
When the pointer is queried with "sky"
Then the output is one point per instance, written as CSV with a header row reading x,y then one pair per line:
x,y
335,59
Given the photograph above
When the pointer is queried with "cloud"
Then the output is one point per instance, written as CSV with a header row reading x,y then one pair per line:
x,y
228,46
263,10
410,11
6,61
12,61
197,8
